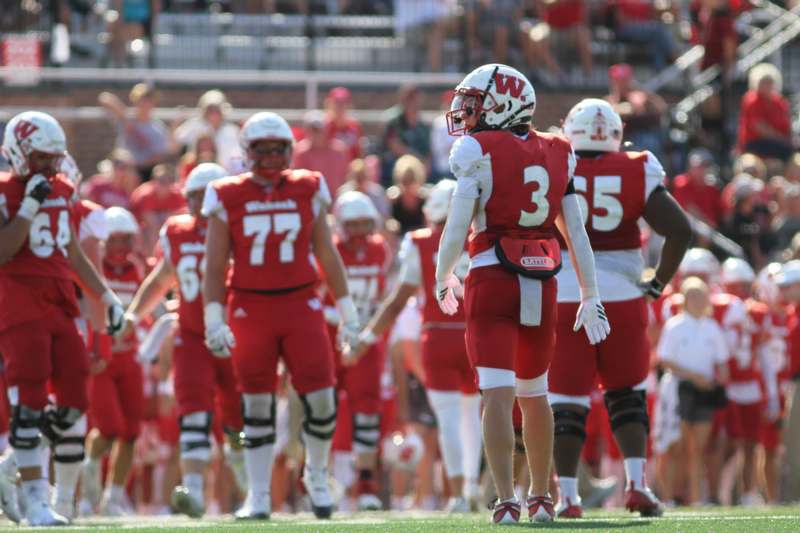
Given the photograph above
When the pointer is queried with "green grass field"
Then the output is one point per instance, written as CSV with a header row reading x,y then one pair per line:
x,y
769,519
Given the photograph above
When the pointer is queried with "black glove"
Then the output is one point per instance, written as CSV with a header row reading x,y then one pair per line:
x,y
652,288
38,188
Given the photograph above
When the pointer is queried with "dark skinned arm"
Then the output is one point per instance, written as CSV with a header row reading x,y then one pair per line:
x,y
669,220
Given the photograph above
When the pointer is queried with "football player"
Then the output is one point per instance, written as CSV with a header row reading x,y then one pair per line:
x,y
270,223
196,370
615,189
515,185
449,380
39,259
116,393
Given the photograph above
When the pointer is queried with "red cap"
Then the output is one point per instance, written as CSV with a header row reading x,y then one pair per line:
x,y
620,71
339,94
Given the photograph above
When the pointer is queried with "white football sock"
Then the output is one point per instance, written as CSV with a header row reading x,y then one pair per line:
x,y
446,406
569,489
634,472
193,482
471,436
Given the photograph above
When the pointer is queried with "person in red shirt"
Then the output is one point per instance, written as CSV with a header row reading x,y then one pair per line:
x,y
116,181
764,120
637,22
154,201
564,22
318,152
338,122
696,190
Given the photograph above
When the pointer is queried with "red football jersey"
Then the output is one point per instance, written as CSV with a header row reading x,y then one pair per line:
x,y
270,228
124,281
776,343
89,220
613,190
183,240
427,242
744,364
366,274
529,177
44,252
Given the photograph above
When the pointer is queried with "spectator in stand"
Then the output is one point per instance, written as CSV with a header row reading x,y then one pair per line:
x,y
491,18
792,169
638,22
692,347
204,150
786,223
714,27
641,111
213,109
129,21
155,201
358,179
423,23
405,133
564,25
441,140
749,225
321,153
115,182
764,122
338,122
407,195
143,135
745,167
697,190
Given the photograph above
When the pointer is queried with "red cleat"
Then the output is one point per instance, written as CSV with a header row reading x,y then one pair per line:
x,y
506,512
567,509
643,501
540,509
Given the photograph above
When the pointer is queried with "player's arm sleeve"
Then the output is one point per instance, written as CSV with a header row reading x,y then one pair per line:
x,y
465,157
322,198
410,265
94,225
212,205
580,250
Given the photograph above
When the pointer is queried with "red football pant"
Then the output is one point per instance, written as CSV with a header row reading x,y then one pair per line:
x,y
117,395
620,361
362,381
290,326
739,421
197,372
495,337
46,349
445,361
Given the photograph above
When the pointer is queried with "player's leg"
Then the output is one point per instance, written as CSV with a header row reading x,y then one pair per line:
x,y
229,406
623,365
471,441
255,360
571,380
534,352
492,313
750,422
193,374
309,358
363,386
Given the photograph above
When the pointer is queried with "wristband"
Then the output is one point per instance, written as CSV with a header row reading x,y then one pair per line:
x,y
213,314
28,208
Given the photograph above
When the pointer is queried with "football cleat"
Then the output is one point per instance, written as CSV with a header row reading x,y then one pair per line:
x,y
567,509
540,509
184,502
111,507
643,501
9,502
369,502
315,483
65,509
457,505
602,489
254,508
506,512
38,511
91,484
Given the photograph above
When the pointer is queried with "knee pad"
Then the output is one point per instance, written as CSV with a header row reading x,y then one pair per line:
x,y
366,432
320,410
25,429
627,406
569,422
258,414
65,428
194,440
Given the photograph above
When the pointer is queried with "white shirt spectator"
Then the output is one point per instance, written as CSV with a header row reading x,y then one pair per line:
x,y
226,139
695,344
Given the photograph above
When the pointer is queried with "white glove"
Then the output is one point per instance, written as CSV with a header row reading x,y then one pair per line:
x,y
36,191
592,317
447,294
219,337
331,315
349,325
115,313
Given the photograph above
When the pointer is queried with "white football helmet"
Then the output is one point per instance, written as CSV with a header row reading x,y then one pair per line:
x,y
592,124
437,204
735,270
766,289
403,451
202,175
698,262
500,96
354,205
120,220
789,273
28,132
265,125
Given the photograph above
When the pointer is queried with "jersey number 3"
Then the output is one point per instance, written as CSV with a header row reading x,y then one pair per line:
x,y
260,226
536,174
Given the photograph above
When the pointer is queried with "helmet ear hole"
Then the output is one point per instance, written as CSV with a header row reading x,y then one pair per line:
x,y
499,109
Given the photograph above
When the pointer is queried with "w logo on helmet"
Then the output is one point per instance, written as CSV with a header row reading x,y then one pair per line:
x,y
508,85
24,129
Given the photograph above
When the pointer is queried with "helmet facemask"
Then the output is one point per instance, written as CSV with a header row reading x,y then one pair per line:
x,y
268,158
468,110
